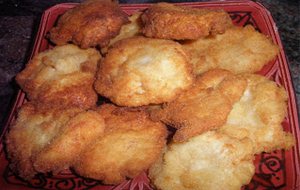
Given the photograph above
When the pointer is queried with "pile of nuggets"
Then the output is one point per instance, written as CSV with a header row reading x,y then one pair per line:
x,y
184,102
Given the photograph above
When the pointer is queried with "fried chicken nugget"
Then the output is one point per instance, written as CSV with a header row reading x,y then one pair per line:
x,y
167,21
239,50
205,106
128,30
91,23
131,144
140,71
30,133
78,134
258,115
195,164
61,77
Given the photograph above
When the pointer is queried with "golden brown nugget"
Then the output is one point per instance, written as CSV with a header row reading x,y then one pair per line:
x,y
167,21
131,144
258,115
30,133
128,30
91,23
78,134
140,71
239,50
194,165
61,77
204,106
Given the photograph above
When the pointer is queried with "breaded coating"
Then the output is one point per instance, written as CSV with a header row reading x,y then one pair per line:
x,y
258,115
140,71
128,30
79,133
30,133
209,161
167,21
91,23
131,144
61,77
204,106
239,50
52,140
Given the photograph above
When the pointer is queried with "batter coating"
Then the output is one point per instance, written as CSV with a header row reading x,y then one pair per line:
x,y
167,21
91,23
61,77
204,106
239,50
51,140
140,71
128,30
30,133
258,115
130,145
207,162
79,133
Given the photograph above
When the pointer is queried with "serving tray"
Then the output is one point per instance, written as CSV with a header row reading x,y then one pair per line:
x,y
277,170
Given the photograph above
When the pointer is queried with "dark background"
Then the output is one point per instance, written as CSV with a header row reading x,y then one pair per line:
x,y
19,21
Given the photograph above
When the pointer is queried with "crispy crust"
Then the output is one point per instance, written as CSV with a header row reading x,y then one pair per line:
x,y
61,77
239,50
65,149
258,115
128,30
167,21
140,71
31,132
51,140
131,144
89,24
205,106
196,163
